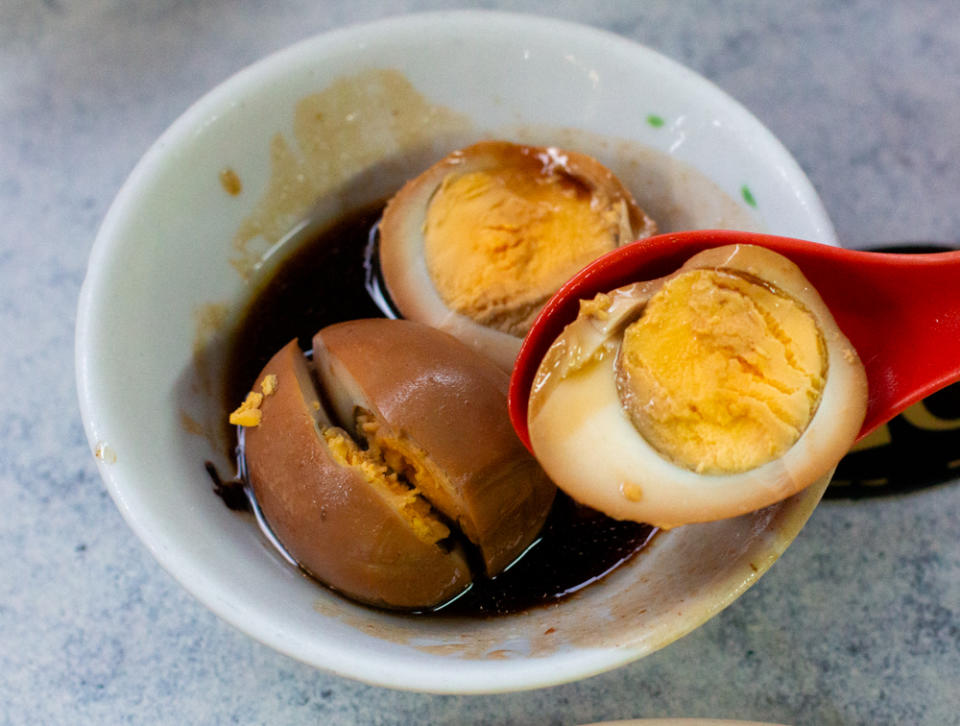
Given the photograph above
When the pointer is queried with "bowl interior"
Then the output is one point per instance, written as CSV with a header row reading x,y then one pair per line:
x,y
318,129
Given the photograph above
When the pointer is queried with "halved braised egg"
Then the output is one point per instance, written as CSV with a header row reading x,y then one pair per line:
x,y
479,242
379,463
711,392
436,413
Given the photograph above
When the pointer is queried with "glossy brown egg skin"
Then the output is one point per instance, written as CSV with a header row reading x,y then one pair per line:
x,y
444,399
327,516
390,412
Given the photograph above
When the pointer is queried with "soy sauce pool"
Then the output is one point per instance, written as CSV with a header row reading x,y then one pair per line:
x,y
320,283
576,548
324,282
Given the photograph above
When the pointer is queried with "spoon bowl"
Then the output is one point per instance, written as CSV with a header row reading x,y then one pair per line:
x,y
900,311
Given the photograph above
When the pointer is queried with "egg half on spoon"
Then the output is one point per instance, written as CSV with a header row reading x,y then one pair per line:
x,y
477,243
717,390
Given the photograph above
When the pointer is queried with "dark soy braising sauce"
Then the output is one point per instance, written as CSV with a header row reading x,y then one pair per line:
x,y
320,283
323,282
576,547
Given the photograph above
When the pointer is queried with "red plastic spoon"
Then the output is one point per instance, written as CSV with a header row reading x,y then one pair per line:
x,y
901,312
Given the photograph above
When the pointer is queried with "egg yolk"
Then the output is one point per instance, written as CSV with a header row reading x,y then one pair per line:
x,y
406,500
498,243
721,373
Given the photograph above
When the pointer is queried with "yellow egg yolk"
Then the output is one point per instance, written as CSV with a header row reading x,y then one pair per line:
x,y
721,373
498,243
406,500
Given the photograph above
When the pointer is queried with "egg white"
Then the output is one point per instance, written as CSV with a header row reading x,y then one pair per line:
x,y
586,442
402,258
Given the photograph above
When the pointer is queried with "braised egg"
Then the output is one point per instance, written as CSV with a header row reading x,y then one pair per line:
x,y
477,243
436,413
384,460
714,391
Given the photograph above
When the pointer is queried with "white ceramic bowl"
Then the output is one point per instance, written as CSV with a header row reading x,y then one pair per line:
x,y
173,261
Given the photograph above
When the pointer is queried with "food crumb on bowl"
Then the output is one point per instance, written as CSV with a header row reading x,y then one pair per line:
x,y
103,452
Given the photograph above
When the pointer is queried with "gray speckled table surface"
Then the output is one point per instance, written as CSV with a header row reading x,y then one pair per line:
x,y
859,623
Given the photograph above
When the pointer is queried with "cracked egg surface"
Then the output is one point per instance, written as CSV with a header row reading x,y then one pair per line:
x,y
385,460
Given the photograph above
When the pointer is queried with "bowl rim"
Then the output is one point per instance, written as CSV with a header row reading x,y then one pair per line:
x,y
470,676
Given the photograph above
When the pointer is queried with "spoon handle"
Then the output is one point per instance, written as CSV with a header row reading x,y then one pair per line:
x,y
902,314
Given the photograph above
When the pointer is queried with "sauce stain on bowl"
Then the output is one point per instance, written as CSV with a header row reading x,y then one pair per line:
x,y
354,125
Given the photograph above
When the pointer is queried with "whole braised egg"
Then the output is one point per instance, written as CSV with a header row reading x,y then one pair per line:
x,y
386,458
717,390
477,243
